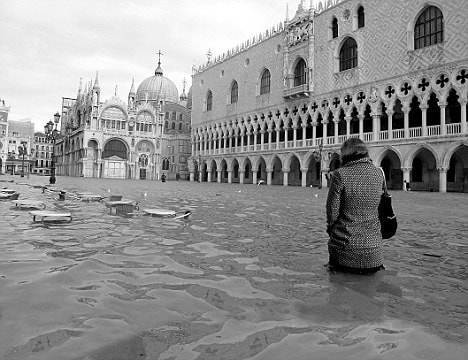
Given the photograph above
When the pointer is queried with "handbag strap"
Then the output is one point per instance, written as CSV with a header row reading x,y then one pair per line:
x,y
384,185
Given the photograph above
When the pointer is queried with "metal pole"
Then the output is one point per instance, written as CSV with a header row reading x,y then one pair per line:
x,y
52,171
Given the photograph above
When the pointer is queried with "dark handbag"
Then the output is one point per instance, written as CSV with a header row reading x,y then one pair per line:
x,y
388,220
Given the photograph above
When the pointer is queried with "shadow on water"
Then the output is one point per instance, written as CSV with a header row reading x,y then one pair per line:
x,y
242,277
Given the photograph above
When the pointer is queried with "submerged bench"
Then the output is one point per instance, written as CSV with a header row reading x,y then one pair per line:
x,y
29,204
121,206
51,216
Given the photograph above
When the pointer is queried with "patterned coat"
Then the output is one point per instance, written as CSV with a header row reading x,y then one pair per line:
x,y
352,216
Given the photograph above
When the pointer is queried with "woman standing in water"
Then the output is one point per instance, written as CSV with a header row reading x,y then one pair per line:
x,y
355,243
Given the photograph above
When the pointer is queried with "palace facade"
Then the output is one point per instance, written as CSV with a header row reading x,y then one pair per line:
x,y
394,73
144,138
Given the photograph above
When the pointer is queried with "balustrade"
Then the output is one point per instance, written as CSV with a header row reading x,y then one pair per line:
x,y
433,130
454,128
415,132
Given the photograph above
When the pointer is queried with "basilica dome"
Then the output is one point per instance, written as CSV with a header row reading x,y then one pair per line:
x,y
157,88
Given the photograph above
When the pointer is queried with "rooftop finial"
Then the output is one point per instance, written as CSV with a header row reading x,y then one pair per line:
x,y
159,70
208,55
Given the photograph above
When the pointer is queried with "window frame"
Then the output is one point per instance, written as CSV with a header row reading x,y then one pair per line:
x,y
265,82
234,92
351,53
300,77
209,101
361,17
428,28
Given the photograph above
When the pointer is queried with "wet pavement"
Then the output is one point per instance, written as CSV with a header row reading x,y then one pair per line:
x,y
242,278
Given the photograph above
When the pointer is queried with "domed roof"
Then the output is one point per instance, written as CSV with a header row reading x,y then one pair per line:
x,y
158,88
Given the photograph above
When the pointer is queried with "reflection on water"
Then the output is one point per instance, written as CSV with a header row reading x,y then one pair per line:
x,y
242,278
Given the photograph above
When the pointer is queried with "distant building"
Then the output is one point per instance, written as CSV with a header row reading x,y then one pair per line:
x,y
394,73
141,139
41,154
4,111
17,144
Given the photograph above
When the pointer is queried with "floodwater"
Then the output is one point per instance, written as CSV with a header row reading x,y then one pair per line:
x,y
244,277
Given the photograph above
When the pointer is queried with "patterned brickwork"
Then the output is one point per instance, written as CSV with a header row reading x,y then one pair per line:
x,y
383,44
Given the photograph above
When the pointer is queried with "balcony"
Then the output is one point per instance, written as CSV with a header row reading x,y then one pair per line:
x,y
296,91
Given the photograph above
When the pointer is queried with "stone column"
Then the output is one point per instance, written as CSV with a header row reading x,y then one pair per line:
x,y
269,171
423,120
255,133
335,123
277,139
304,177
285,177
229,176
390,124
242,141
236,142
348,125
269,139
314,133
443,128
241,176
262,139
406,110
286,133
463,116
209,179
304,140
375,127
406,176
361,126
325,130
248,140
442,179
219,175
294,136
254,176
192,176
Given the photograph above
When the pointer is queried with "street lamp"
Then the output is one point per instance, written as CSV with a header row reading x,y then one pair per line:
x,y
52,133
23,150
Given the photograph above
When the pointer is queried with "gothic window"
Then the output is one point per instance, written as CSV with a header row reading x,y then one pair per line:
x,y
265,82
166,124
300,73
234,92
429,28
348,54
334,28
173,125
209,101
180,126
361,19
173,116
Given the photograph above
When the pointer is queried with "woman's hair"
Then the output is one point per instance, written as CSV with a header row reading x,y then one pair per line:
x,y
353,149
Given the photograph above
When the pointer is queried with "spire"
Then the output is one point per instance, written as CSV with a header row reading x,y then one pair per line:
x,y
301,5
132,89
183,96
80,88
208,55
96,82
115,92
159,70
287,12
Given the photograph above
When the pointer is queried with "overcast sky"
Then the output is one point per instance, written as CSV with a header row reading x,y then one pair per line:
x,y
47,45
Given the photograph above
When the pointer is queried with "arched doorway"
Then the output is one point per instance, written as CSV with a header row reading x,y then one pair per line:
x,y
424,175
295,174
114,158
277,173
457,174
391,166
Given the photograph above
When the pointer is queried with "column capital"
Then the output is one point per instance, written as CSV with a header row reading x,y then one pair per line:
x,y
406,169
442,169
284,170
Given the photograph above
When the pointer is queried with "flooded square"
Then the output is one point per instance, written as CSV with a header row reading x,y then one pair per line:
x,y
242,277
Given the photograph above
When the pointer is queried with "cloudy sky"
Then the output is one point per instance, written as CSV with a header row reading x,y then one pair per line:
x,y
47,45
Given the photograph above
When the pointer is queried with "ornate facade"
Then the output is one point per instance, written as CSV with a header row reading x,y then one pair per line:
x,y
394,73
142,139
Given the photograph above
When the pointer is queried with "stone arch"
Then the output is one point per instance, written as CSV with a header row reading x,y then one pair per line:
x,y
390,160
115,147
424,163
276,167
294,166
